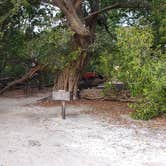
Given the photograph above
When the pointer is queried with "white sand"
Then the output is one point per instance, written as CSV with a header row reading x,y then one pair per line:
x,y
37,136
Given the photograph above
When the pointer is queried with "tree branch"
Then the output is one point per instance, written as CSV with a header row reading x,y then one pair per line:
x,y
101,11
27,76
132,4
70,12
76,3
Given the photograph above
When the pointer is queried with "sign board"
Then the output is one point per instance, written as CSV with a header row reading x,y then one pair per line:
x,y
61,95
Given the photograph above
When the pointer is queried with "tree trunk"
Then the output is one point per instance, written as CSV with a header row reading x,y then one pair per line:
x,y
84,35
68,78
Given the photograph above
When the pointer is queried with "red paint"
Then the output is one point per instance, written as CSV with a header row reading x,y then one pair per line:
x,y
89,75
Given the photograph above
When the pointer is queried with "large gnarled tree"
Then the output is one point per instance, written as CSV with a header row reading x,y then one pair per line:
x,y
84,27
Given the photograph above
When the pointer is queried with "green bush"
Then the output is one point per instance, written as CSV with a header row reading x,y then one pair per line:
x,y
153,102
143,69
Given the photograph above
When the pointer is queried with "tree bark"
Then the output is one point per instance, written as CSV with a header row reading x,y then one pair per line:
x,y
68,78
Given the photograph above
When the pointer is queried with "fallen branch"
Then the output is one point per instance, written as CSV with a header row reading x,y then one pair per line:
x,y
24,78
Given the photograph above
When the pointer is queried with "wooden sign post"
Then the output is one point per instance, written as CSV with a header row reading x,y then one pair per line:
x,y
63,110
62,96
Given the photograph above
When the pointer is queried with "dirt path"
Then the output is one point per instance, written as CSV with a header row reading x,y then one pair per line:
x,y
37,136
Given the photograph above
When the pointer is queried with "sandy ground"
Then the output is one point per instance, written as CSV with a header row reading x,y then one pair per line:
x,y
32,135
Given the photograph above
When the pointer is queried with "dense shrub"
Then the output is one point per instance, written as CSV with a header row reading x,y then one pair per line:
x,y
140,66
143,69
153,101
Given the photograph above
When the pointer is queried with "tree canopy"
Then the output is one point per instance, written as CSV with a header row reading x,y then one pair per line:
x,y
73,36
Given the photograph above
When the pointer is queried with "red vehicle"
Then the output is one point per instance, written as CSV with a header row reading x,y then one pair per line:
x,y
90,79
89,75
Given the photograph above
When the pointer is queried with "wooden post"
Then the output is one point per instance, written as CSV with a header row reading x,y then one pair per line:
x,y
63,110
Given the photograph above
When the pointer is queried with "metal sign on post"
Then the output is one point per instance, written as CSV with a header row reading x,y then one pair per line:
x,y
63,96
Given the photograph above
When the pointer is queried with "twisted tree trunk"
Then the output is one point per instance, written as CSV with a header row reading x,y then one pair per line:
x,y
84,35
68,79
84,29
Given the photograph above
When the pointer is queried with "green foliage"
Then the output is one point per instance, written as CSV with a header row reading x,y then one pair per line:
x,y
135,56
102,64
18,37
158,20
153,102
101,61
143,69
52,47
